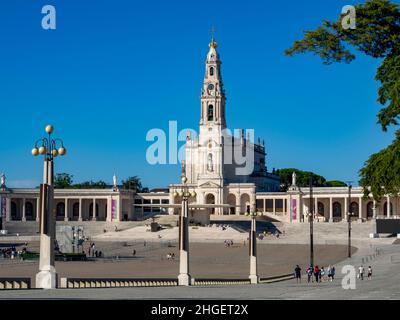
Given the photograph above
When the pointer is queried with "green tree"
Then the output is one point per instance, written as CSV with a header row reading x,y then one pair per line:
x,y
336,183
377,35
91,185
302,178
63,180
133,183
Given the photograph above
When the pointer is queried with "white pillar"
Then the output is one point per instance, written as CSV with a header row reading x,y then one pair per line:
x,y
238,204
374,210
66,213
80,209
273,206
109,209
184,277
345,210
388,207
360,209
254,279
316,207
46,278
37,209
94,210
330,209
264,206
8,210
23,209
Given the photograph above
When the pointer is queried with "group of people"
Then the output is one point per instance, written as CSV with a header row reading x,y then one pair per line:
x,y
315,273
170,256
327,274
228,243
12,252
361,272
92,252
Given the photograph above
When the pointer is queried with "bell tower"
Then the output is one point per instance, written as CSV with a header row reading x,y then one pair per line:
x,y
212,120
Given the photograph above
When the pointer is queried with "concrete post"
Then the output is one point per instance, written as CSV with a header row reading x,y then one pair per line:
x,y
330,210
80,209
253,253
38,209
46,278
8,210
94,210
184,277
66,213
388,207
374,210
23,209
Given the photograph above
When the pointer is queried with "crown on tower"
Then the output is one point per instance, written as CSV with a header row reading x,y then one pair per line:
x,y
212,44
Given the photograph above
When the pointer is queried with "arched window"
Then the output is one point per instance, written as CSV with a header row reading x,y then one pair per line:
x,y
13,210
337,210
75,209
29,210
60,209
210,113
211,71
321,209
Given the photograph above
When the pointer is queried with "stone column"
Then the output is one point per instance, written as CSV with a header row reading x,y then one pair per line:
x,y
184,277
388,207
374,210
345,210
316,207
253,252
264,206
80,209
23,209
238,204
109,208
37,209
8,210
360,209
94,210
46,278
330,209
171,201
273,206
66,213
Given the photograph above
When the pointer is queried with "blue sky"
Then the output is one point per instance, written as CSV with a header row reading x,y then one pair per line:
x,y
113,70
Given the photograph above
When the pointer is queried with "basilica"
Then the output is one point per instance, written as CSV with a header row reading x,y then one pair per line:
x,y
224,168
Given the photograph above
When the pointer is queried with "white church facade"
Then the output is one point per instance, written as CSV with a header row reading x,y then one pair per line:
x,y
213,171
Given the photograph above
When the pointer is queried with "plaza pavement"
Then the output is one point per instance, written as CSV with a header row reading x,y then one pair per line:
x,y
384,285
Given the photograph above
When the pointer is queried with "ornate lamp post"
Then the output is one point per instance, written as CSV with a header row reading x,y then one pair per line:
x,y
349,215
310,216
254,279
184,277
46,278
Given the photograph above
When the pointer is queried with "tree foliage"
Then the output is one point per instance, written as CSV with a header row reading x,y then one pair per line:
x,y
303,179
63,180
134,183
377,35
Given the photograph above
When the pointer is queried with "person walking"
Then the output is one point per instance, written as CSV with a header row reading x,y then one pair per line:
x,y
322,275
297,272
369,273
329,272
316,273
333,272
310,274
361,272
